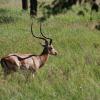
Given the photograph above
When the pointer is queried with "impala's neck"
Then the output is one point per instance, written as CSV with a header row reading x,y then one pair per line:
x,y
44,56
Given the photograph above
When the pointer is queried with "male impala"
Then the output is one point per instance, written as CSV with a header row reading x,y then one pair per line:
x,y
31,62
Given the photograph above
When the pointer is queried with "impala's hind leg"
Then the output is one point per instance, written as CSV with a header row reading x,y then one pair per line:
x,y
6,72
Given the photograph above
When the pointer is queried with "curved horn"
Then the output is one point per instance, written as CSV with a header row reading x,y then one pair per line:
x,y
37,36
43,35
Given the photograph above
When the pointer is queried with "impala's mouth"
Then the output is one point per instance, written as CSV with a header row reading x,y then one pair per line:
x,y
55,54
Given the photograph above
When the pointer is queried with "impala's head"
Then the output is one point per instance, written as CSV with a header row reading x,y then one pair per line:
x,y
48,47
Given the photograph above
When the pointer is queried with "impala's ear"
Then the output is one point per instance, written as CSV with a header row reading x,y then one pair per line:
x,y
50,41
43,45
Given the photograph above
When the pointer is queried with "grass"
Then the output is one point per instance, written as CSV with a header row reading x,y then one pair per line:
x,y
73,75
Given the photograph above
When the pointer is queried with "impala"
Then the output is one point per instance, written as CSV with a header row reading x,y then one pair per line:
x,y
30,62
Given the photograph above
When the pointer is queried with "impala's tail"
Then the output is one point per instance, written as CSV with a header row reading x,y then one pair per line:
x,y
3,63
0,61
4,67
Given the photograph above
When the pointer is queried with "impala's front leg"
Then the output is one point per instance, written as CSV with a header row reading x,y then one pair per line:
x,y
33,75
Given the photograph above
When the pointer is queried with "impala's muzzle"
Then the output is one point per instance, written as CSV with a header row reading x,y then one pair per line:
x,y
53,52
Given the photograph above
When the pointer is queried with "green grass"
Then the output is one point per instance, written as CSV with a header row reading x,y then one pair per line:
x,y
72,75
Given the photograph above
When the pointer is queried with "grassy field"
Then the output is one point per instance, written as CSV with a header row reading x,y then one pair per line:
x,y
72,75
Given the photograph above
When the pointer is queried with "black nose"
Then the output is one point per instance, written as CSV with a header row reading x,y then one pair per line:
x,y
56,53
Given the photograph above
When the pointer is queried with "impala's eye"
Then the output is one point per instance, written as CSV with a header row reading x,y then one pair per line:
x,y
50,48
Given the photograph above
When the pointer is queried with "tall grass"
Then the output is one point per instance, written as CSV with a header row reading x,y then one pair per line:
x,y
73,75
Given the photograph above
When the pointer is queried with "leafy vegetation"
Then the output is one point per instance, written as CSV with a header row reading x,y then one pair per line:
x,y
73,75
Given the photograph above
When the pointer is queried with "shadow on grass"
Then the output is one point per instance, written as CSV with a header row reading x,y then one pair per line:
x,y
6,17
56,7
97,26
2,11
